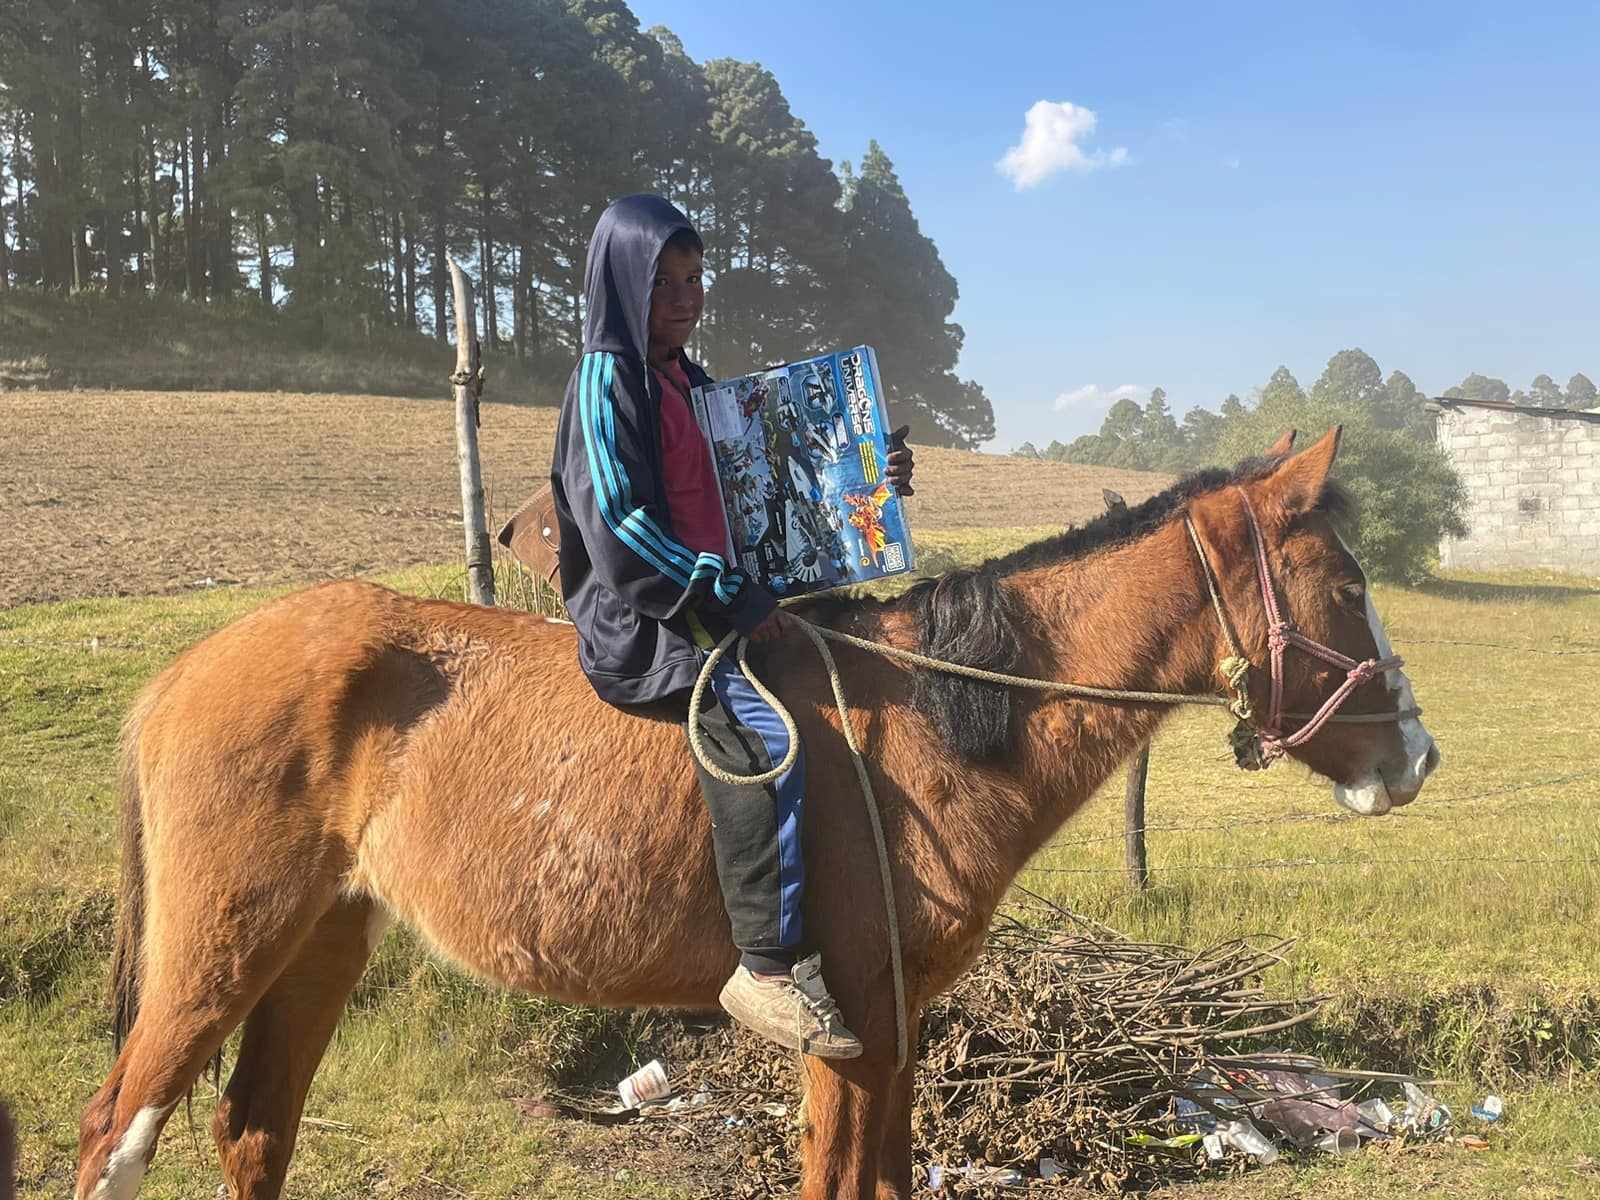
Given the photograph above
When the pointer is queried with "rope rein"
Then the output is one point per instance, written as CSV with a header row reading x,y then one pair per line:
x,y
697,743
1235,669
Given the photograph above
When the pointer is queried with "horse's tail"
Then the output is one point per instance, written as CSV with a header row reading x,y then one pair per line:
x,y
127,958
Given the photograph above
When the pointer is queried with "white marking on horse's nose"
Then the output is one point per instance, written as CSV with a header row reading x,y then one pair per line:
x,y
1430,760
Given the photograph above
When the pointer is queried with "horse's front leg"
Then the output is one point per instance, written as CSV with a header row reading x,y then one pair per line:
x,y
895,1180
848,1103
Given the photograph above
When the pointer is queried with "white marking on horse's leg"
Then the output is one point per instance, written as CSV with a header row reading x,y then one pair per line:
x,y
126,1166
377,923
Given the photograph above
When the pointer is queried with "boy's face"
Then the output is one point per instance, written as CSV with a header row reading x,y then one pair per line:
x,y
676,300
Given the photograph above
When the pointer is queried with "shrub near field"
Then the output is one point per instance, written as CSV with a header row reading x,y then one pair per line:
x,y
1458,936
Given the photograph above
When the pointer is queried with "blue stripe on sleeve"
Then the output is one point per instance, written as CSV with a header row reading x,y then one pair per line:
x,y
593,402
631,523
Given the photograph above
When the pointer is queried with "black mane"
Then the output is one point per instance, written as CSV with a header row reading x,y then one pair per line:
x,y
963,616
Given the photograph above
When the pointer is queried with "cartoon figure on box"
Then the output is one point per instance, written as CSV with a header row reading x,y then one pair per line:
x,y
866,515
802,484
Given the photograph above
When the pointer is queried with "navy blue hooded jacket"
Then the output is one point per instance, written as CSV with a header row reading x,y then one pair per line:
x,y
627,581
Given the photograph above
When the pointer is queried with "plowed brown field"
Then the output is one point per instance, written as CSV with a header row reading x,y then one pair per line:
x,y
127,493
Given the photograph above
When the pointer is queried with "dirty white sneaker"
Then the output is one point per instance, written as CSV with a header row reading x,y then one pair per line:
x,y
796,1012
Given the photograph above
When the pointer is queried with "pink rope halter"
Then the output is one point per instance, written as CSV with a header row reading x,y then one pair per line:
x,y
1280,636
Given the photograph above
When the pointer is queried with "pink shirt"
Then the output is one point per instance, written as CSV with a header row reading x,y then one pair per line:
x,y
691,481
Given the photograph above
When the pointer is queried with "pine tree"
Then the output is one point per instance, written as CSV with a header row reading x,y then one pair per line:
x,y
1350,380
1200,429
897,296
1481,387
773,241
1545,393
1281,393
1580,392
1159,428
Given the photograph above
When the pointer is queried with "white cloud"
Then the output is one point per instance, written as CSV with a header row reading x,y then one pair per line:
x,y
1050,143
1092,396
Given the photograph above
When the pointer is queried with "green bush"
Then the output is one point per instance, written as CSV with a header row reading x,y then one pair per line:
x,y
1406,492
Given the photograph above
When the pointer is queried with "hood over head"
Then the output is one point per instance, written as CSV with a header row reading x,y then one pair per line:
x,y
621,270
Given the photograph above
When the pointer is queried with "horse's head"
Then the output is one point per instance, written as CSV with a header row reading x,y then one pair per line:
x,y
1336,662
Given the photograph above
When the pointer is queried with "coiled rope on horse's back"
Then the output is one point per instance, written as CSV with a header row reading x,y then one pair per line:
x,y
1234,667
820,636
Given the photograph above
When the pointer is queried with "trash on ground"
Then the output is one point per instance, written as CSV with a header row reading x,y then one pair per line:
x,y
1242,1134
649,1083
1075,1055
1489,1110
977,1174
1423,1113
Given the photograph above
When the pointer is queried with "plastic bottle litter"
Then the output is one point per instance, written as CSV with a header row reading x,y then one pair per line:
x,y
645,1085
1423,1113
1489,1110
1242,1135
1377,1114
1340,1141
972,1173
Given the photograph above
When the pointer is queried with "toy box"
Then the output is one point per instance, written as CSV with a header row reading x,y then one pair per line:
x,y
800,453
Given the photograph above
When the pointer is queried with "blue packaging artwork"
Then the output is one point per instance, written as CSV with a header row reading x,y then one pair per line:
x,y
800,453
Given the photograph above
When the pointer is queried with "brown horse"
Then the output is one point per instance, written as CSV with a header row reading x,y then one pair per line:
x,y
347,755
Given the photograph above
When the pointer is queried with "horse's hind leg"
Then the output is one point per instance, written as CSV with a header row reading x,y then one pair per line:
x,y
284,1038
204,969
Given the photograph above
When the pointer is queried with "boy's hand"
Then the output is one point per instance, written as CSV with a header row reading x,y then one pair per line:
x,y
774,627
900,462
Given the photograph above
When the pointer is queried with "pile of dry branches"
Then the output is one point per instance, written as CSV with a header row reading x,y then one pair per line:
x,y
1063,1041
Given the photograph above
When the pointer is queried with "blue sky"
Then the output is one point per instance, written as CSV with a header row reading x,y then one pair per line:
x,y
1262,184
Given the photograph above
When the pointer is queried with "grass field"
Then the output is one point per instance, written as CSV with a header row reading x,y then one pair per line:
x,y
1458,936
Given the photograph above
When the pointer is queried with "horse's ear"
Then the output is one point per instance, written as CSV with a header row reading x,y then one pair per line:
x,y
1297,485
1283,445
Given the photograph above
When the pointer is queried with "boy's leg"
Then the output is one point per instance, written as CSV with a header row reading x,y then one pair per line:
x,y
756,829
756,836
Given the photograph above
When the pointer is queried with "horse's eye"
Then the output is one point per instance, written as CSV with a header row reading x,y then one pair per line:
x,y
1350,593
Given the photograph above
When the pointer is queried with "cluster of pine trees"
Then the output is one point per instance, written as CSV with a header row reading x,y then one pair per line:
x,y
1149,437
1408,496
331,156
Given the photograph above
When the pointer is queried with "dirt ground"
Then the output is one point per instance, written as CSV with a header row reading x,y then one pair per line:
x,y
131,493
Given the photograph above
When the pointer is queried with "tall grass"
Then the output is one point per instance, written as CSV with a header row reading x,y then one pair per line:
x,y
1445,953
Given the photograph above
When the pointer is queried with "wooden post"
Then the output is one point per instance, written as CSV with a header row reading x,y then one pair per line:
x,y
1133,820
467,384
1138,774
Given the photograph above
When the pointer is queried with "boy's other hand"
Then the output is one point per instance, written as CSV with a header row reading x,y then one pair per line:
x,y
775,626
901,463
